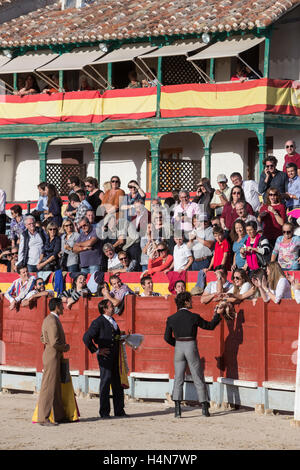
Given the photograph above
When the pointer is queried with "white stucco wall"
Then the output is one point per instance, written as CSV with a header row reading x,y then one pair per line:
x,y
7,165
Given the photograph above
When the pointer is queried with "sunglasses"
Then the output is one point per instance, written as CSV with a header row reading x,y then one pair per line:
x,y
115,181
122,259
68,225
161,249
131,187
289,146
40,284
269,166
88,185
236,192
52,229
83,225
286,231
273,194
236,277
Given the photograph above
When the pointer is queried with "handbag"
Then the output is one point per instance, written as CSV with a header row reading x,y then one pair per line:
x,y
65,371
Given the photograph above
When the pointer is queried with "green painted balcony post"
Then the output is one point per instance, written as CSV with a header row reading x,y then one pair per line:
x,y
97,143
158,88
212,69
61,80
155,157
109,74
267,57
42,153
207,154
15,83
261,136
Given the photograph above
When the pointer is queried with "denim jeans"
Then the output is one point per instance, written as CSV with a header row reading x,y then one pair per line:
x,y
31,268
90,269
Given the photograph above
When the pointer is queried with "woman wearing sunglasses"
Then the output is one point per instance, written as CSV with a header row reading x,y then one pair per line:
x,y
286,249
49,259
272,215
241,288
229,214
69,260
94,194
135,194
161,263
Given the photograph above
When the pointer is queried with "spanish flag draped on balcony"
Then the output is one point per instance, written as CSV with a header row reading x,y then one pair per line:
x,y
220,99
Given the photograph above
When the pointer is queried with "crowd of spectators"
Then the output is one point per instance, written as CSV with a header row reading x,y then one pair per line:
x,y
249,230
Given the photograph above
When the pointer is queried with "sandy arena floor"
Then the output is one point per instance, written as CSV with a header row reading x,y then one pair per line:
x,y
151,426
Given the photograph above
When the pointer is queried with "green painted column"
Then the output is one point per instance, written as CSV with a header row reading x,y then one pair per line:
x,y
97,143
155,157
212,69
207,153
109,74
61,80
158,89
42,153
261,136
267,57
15,83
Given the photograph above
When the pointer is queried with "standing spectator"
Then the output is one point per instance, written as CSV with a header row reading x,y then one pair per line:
x,y
221,196
286,249
293,192
221,254
229,214
79,207
90,214
291,155
277,286
136,230
135,194
201,242
94,194
238,236
31,244
41,207
256,250
82,196
250,188
271,177
70,260
147,285
49,260
54,205
204,196
89,248
112,198
182,256
17,226
74,185
183,214
2,212
242,214
20,287
272,215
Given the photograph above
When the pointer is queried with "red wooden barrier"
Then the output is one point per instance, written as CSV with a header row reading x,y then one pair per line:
x,y
257,346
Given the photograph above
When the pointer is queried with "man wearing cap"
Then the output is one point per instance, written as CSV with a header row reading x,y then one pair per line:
x,y
221,196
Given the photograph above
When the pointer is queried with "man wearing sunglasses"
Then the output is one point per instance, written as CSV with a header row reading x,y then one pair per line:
x,y
291,155
270,176
89,247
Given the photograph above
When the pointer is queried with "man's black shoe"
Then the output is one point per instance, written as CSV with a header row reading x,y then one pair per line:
x,y
205,407
177,409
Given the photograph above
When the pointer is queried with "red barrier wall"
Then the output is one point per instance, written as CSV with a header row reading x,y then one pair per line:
x,y
257,346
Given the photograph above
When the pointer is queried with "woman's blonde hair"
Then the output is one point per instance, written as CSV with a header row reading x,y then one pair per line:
x,y
275,274
62,230
51,225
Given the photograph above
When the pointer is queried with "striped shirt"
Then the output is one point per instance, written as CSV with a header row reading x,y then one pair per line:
x,y
18,291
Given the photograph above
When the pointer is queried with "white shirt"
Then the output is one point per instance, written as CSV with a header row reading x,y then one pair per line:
x,y
112,321
181,255
114,262
245,287
55,314
35,246
283,290
250,188
211,287
199,249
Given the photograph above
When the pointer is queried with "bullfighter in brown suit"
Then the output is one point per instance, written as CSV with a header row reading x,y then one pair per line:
x,y
53,337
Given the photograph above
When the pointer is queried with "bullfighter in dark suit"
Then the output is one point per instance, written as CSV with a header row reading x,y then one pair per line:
x,y
181,332
105,333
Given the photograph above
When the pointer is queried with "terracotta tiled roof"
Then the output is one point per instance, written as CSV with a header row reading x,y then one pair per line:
x,y
119,19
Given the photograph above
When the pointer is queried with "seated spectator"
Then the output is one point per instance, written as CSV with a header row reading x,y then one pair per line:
x,y
201,242
272,178
250,188
243,214
293,193
157,232
30,88
79,206
112,198
31,244
19,288
94,194
78,289
54,205
179,287
272,215
49,259
135,194
160,262
182,256
113,262
133,81
38,291
147,285
286,249
204,196
55,87
9,259
214,288
69,259
41,207
256,250
117,293
276,287
221,196
82,196
229,214
128,265
183,214
239,236
240,74
90,214
89,247
84,84
17,226
241,288
221,255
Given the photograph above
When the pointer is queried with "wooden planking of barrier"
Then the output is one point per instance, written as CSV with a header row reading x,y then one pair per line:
x,y
259,345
